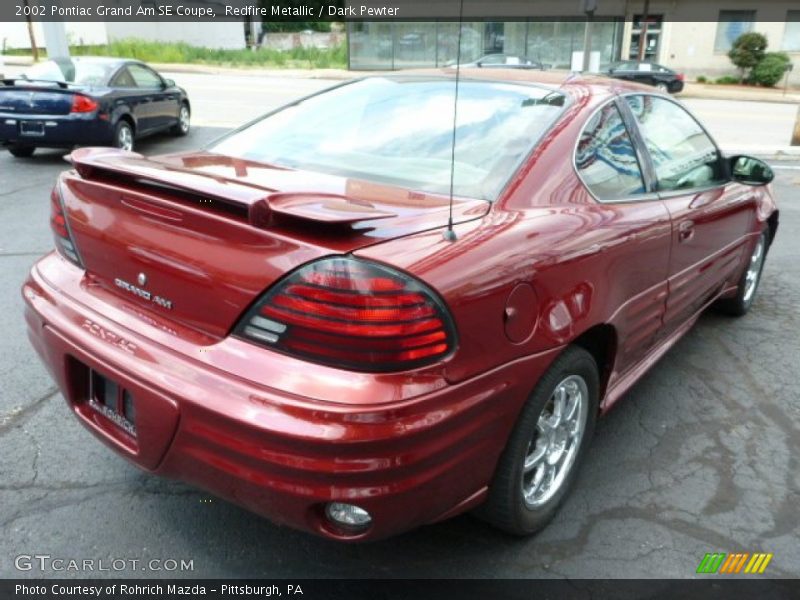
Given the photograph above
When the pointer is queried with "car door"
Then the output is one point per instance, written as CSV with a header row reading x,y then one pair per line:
x,y
163,107
128,96
710,214
610,164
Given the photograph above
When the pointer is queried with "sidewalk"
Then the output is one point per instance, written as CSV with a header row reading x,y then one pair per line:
x,y
740,92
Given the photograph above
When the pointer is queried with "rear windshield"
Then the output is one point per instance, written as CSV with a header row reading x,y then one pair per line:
x,y
400,132
77,72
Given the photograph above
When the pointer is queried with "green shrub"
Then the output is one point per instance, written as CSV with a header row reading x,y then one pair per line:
x,y
747,51
771,69
701,79
727,80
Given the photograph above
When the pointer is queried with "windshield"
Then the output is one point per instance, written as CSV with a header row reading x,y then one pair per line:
x,y
400,132
77,72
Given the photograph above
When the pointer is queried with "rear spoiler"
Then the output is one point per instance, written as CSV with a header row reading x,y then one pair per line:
x,y
255,205
13,81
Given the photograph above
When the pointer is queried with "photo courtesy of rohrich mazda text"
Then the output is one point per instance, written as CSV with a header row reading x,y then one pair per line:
x,y
321,347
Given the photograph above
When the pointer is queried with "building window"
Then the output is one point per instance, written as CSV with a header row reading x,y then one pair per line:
x,y
732,24
791,35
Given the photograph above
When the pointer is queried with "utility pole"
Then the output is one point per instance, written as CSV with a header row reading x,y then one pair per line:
x,y
589,7
643,30
34,49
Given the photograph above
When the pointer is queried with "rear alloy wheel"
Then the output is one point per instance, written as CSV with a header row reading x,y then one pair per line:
x,y
123,136
748,284
540,461
22,151
181,128
662,87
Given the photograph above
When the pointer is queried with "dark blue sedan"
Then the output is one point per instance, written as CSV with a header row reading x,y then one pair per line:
x,y
88,101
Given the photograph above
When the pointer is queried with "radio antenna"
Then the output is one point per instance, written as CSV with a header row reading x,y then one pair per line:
x,y
449,233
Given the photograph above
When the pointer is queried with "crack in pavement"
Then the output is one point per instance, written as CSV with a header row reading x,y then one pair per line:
x,y
7,422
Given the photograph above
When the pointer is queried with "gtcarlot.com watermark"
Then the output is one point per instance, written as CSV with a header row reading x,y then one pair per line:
x,y
45,563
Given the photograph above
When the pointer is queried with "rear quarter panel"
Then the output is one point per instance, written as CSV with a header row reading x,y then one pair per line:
x,y
588,263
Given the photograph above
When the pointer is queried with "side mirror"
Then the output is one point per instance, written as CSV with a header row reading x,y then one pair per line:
x,y
168,83
750,171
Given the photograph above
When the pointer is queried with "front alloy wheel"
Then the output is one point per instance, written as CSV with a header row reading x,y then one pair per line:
x,y
748,284
540,460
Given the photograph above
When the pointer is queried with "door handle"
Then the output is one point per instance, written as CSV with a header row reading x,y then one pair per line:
x,y
685,231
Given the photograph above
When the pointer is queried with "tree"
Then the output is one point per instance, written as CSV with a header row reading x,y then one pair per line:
x,y
747,51
770,69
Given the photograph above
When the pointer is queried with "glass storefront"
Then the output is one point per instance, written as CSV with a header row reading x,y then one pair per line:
x,y
393,45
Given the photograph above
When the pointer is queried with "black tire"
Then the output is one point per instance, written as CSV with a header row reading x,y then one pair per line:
x,y
22,151
740,304
663,87
182,127
123,136
506,507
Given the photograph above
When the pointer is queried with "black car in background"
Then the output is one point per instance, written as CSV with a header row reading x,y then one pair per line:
x,y
88,101
648,73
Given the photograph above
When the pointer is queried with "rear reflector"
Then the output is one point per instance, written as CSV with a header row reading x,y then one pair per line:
x,y
353,314
61,234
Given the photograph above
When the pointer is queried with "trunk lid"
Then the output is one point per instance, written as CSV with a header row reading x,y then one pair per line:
x,y
198,237
22,97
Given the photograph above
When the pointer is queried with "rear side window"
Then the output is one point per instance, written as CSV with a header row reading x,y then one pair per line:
x,y
144,77
606,159
123,79
683,155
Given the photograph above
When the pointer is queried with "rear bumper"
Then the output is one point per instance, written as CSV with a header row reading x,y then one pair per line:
x,y
60,131
408,462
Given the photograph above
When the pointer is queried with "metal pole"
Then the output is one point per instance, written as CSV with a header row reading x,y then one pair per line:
x,y
796,132
587,41
643,30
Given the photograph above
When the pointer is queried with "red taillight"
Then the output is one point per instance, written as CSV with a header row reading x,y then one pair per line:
x,y
58,222
354,314
82,104
680,76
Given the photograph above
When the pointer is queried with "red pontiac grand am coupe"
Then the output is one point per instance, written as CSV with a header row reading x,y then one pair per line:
x,y
285,319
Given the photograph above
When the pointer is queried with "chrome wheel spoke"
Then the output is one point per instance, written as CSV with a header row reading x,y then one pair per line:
x,y
535,458
545,424
573,408
559,404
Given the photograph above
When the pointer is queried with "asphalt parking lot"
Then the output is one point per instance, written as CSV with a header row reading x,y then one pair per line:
x,y
702,455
